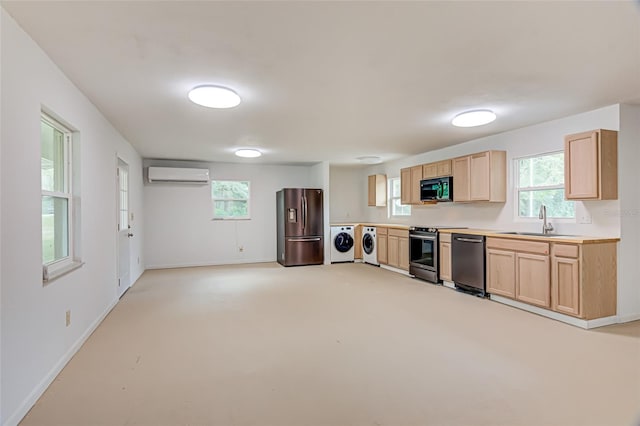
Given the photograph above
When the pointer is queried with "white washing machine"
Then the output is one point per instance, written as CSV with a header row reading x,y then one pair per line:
x,y
369,245
342,244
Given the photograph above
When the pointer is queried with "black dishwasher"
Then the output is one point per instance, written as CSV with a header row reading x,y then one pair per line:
x,y
468,263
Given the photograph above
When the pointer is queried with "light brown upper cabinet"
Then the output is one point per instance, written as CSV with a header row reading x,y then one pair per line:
x,y
377,190
416,177
480,177
438,169
405,186
591,165
410,185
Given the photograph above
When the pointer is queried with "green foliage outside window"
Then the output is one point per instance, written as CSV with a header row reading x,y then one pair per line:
x,y
541,181
397,208
230,199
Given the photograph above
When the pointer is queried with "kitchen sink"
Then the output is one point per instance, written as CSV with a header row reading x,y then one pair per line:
x,y
534,234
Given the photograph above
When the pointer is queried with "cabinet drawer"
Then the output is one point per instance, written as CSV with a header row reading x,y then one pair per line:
x,y
381,230
565,250
403,233
445,238
518,245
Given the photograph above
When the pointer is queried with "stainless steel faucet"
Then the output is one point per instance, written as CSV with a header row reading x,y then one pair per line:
x,y
546,227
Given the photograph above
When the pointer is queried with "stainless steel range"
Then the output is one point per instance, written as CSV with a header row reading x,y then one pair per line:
x,y
423,252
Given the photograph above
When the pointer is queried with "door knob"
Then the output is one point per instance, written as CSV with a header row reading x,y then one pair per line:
x,y
129,235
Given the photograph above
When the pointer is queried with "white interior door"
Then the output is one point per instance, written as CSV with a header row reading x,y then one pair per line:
x,y
124,227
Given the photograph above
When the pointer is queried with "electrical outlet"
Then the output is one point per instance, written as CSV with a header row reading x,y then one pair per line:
x,y
68,318
584,217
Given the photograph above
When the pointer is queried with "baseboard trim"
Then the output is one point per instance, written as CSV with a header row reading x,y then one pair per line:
x,y
586,324
392,269
37,392
448,284
628,318
198,264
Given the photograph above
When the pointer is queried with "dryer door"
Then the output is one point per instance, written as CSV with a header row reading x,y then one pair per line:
x,y
368,243
343,242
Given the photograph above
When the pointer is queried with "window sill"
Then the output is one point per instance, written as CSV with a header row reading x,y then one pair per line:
x,y
50,274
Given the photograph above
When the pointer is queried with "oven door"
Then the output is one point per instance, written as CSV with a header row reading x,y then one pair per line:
x,y
423,257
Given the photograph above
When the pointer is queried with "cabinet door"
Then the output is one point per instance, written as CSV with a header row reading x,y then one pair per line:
x,y
445,261
444,168
416,177
403,253
565,286
501,272
405,186
429,170
479,177
371,199
357,242
392,251
382,248
581,166
532,279
461,179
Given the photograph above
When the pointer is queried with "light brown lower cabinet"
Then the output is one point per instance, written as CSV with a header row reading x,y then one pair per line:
x,y
445,257
357,242
398,248
565,285
573,279
381,240
501,272
519,269
532,279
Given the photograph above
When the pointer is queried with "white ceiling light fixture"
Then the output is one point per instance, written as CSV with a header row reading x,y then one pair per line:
x,y
248,153
474,118
370,159
214,96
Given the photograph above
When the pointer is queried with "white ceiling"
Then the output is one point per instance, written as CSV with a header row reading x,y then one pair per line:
x,y
332,81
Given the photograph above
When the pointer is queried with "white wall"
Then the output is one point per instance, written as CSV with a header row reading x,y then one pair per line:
x,y
179,230
629,213
319,177
545,137
35,344
348,201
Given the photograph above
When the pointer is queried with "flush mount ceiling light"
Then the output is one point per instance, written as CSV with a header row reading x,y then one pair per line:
x,y
473,118
370,159
214,96
248,153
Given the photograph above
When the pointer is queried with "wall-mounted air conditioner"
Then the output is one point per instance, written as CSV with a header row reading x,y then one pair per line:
x,y
179,175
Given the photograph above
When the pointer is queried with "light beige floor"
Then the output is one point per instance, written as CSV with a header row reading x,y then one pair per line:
x,y
342,344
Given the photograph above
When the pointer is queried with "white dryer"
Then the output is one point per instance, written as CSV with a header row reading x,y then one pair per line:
x,y
369,245
342,244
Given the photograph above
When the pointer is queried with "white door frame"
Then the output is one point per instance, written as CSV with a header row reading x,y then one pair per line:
x,y
123,227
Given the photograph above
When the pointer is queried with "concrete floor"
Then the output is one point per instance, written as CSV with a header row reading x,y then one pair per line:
x,y
342,344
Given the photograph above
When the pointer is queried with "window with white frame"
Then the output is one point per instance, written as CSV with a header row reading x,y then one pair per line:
x,y
540,180
230,199
57,195
396,208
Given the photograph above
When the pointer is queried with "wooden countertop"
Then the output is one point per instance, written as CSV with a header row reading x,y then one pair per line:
x,y
381,225
575,239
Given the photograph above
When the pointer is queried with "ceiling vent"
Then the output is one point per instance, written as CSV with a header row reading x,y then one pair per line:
x,y
178,175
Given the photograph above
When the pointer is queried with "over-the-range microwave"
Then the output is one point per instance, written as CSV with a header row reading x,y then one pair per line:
x,y
437,189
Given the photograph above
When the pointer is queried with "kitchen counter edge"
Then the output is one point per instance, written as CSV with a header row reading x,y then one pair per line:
x,y
577,239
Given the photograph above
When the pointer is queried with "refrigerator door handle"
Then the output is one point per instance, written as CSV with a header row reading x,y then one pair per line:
x,y
303,240
304,212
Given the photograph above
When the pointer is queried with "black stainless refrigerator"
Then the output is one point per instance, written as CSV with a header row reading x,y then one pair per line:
x,y
300,227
